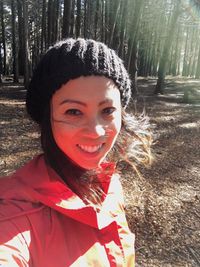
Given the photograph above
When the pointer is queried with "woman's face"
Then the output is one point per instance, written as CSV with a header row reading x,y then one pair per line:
x,y
86,119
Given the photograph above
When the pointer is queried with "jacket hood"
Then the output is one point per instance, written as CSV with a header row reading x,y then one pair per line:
x,y
36,184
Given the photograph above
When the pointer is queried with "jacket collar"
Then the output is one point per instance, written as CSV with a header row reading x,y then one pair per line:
x,y
36,182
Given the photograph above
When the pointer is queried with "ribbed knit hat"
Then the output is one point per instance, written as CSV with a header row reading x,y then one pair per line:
x,y
70,59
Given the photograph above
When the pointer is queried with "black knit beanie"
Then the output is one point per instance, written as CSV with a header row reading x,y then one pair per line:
x,y
70,59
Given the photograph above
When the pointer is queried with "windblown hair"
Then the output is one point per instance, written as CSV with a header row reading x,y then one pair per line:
x,y
133,145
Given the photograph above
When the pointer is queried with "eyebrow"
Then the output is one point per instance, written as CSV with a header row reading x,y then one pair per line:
x,y
71,101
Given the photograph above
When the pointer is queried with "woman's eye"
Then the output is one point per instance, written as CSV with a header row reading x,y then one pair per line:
x,y
109,110
73,112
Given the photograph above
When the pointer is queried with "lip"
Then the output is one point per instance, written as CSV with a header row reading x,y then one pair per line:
x,y
87,149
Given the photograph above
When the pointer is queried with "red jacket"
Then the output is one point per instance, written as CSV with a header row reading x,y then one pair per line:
x,y
44,224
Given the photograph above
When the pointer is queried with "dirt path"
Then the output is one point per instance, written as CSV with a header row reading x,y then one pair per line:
x,y
163,208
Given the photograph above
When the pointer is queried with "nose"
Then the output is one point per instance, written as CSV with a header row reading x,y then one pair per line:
x,y
95,129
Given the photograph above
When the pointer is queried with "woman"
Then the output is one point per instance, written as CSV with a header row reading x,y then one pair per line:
x,y
65,207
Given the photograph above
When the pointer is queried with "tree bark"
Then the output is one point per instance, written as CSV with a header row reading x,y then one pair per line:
x,y
73,19
66,18
176,55
43,28
14,48
197,74
96,20
1,67
123,28
107,21
20,34
166,50
55,20
25,43
50,23
114,13
132,47
3,39
132,41
78,19
103,17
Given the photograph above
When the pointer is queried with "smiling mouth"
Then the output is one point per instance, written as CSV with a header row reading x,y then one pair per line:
x,y
90,149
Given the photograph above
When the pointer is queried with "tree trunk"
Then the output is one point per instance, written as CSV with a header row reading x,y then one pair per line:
x,y
176,54
133,70
78,19
107,21
132,42
3,39
14,49
166,50
114,13
25,43
55,20
1,67
96,20
85,19
90,19
103,26
123,28
43,29
132,47
73,18
50,23
66,18
197,74
195,42
21,43
185,54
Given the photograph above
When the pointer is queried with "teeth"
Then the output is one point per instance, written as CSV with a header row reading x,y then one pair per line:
x,y
90,149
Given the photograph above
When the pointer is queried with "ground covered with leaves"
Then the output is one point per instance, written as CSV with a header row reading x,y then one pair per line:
x,y
163,206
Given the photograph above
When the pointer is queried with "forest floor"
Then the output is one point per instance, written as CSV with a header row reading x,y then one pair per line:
x,y
163,207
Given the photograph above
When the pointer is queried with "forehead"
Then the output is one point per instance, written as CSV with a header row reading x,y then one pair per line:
x,y
90,88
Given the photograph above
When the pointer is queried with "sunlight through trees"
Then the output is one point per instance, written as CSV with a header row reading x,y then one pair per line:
x,y
154,38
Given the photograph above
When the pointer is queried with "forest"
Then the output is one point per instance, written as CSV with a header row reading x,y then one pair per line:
x,y
159,42
154,38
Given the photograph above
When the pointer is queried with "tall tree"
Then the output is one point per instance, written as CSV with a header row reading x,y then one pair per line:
x,y
55,34
74,17
186,50
1,67
78,19
123,28
114,15
3,37
139,31
43,28
50,23
133,43
66,18
167,45
96,20
21,48
197,73
25,43
102,21
14,48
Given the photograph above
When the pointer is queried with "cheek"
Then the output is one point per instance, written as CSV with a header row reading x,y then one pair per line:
x,y
115,127
60,134
118,122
